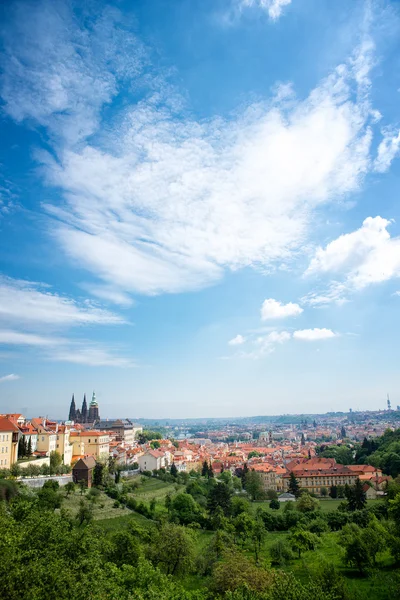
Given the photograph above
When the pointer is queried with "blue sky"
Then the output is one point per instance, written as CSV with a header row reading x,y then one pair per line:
x,y
199,209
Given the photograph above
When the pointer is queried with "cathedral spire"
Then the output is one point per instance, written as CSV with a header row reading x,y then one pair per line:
x,y
84,410
93,415
72,410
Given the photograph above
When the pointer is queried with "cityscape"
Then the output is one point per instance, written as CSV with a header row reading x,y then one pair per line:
x,y
199,299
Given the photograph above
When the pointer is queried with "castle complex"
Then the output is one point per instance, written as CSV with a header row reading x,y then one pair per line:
x,y
84,415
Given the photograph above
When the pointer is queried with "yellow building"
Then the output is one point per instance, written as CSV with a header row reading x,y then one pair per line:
x,y
9,435
47,437
95,443
64,445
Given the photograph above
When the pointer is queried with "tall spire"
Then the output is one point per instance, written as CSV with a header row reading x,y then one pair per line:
x,y
93,415
72,410
84,410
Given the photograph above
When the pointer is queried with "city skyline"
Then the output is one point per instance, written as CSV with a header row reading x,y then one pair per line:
x,y
199,207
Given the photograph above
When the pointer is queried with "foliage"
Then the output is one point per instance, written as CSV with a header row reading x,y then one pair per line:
x,y
275,504
302,540
173,549
220,496
307,503
185,510
254,485
355,495
98,474
147,435
280,553
294,486
236,572
55,461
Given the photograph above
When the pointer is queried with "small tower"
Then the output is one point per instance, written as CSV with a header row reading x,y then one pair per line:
x,y
72,410
93,410
388,403
84,410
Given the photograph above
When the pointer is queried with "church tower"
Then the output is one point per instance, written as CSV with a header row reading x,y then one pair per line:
x,y
93,410
84,411
72,410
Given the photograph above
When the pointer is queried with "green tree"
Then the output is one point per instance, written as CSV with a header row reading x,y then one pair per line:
x,y
324,492
70,488
204,469
55,461
307,503
173,549
275,504
185,510
210,473
333,491
8,490
237,572
174,470
98,474
355,496
29,447
357,552
254,485
155,444
280,553
21,447
258,534
49,496
168,502
84,514
15,470
220,496
302,540
294,486
125,548
243,525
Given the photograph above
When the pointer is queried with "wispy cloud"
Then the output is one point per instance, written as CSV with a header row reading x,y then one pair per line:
x,y
35,314
30,302
164,203
274,8
388,150
68,350
62,72
273,309
11,377
237,340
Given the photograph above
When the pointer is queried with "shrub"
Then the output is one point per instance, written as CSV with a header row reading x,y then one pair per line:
x,y
280,553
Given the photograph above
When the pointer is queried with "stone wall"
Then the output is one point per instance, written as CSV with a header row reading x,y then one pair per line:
x,y
38,462
38,482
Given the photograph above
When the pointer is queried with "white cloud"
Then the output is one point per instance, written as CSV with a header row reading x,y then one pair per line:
x,y
164,203
261,346
61,73
272,7
273,309
312,335
10,377
19,338
27,302
67,350
388,149
160,202
366,256
236,341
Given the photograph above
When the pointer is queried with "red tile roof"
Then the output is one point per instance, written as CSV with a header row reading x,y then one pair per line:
x,y
7,425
